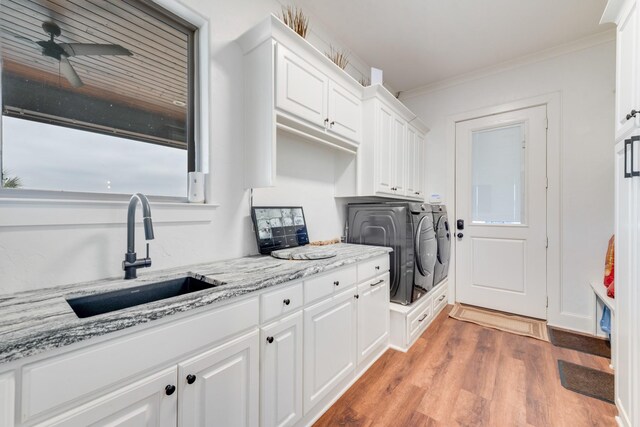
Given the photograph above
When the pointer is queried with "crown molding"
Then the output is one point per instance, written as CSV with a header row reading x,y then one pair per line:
x,y
543,55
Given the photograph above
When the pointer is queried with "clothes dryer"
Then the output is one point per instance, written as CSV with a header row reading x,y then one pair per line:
x,y
443,236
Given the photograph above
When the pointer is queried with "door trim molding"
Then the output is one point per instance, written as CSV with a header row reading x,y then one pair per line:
x,y
553,102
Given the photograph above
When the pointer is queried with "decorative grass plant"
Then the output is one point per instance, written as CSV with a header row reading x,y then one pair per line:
x,y
365,80
340,57
295,19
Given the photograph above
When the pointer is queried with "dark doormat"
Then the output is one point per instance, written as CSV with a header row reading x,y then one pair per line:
x,y
583,343
587,381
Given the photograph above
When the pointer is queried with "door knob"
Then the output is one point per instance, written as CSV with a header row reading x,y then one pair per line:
x,y
459,235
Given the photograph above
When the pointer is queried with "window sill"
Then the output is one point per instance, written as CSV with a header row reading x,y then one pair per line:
x,y
64,211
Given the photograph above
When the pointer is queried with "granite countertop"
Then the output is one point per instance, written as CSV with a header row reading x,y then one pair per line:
x,y
33,322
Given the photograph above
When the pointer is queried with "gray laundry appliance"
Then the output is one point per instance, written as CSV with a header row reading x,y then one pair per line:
x,y
443,236
408,229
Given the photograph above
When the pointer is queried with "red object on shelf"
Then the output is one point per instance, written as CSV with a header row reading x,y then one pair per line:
x,y
609,268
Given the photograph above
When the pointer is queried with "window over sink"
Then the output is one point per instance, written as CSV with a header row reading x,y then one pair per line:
x,y
98,97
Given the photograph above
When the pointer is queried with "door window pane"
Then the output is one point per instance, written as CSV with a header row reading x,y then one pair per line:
x,y
498,175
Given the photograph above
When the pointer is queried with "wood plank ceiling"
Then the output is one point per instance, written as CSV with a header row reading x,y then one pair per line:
x,y
154,78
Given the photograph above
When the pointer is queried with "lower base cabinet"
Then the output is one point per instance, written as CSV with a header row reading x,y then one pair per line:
x,y
150,402
281,372
7,399
329,345
373,316
220,387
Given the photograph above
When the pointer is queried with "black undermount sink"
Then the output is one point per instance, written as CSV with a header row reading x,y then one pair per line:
x,y
92,305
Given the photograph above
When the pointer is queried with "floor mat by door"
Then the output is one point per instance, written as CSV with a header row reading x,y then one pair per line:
x,y
587,381
506,322
583,343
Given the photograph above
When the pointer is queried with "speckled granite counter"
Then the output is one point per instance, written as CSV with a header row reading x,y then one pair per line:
x,y
35,321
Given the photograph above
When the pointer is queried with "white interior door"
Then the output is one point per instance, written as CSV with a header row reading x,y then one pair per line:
x,y
501,197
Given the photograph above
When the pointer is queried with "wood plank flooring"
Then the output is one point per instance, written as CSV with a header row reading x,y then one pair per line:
x,y
462,374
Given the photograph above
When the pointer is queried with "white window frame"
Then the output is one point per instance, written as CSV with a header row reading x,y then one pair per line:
x,y
30,198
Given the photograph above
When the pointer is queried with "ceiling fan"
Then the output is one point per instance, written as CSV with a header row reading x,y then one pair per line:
x,y
63,51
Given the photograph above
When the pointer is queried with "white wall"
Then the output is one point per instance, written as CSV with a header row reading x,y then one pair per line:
x,y
586,81
47,244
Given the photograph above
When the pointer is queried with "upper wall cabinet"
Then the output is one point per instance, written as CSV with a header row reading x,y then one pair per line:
x,y
391,161
625,15
291,86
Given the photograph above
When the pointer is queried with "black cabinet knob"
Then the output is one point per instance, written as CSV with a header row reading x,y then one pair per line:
x,y
356,296
337,283
170,389
377,267
191,379
460,235
287,301
632,114
269,340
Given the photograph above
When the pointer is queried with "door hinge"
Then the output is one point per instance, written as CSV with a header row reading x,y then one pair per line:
x,y
546,123
546,179
547,302
547,244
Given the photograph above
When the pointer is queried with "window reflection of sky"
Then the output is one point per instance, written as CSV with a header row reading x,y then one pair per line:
x,y
47,157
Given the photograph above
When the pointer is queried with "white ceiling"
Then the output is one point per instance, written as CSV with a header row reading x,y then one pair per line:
x,y
419,42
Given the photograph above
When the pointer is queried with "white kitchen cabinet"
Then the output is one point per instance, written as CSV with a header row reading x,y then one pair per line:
x,y
373,316
221,386
419,165
391,161
301,88
344,112
150,402
400,160
290,86
626,329
7,399
329,345
281,372
411,164
627,68
385,154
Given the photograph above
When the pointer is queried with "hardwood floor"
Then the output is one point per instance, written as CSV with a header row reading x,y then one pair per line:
x,y
462,374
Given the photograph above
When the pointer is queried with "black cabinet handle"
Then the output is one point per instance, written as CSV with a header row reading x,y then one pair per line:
x,y
337,283
287,301
326,121
191,379
377,283
459,235
170,389
632,114
269,340
423,317
332,123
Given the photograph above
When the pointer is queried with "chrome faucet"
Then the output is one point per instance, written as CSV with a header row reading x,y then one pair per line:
x,y
131,263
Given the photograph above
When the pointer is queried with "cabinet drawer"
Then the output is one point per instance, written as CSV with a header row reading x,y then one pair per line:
x,y
372,268
279,302
325,285
440,298
86,371
419,318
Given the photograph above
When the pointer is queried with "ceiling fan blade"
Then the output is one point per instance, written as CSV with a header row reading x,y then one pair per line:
x,y
77,49
66,69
